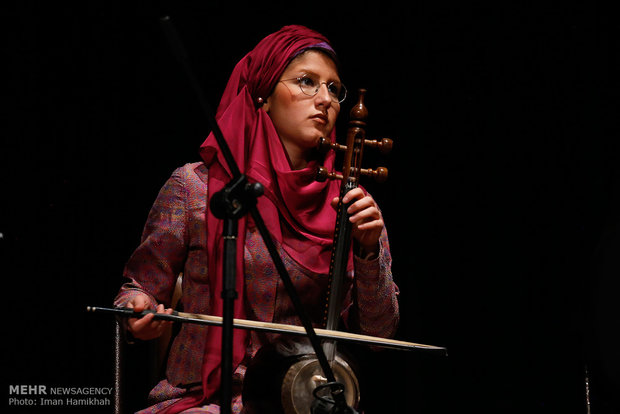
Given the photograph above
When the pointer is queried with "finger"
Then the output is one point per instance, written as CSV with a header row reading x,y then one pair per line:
x,y
371,225
364,217
353,194
168,312
334,202
157,323
366,206
160,323
136,325
365,203
139,303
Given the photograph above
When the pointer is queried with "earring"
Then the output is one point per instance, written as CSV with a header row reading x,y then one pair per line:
x,y
260,101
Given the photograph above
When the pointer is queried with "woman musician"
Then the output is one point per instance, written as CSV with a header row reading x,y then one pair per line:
x,y
280,99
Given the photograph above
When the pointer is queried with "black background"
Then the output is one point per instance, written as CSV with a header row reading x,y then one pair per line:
x,y
502,203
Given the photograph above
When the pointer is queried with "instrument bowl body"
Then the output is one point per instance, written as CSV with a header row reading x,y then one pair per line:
x,y
276,384
305,375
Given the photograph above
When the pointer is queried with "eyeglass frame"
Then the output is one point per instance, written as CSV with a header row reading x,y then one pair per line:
x,y
299,78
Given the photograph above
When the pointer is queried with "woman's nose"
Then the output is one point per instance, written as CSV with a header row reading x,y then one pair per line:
x,y
322,96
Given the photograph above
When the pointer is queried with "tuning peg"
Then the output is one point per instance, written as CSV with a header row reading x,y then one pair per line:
x,y
384,145
380,175
325,144
322,174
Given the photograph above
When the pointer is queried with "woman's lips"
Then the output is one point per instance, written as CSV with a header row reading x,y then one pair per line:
x,y
320,118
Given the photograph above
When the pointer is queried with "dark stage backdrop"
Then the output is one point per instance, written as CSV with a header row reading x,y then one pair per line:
x,y
502,203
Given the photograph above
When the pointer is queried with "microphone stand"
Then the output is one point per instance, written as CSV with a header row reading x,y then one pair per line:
x,y
230,204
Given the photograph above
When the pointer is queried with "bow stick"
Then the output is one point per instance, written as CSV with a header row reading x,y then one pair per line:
x,y
201,319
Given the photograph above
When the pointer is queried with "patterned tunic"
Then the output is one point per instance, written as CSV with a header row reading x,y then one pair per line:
x,y
174,242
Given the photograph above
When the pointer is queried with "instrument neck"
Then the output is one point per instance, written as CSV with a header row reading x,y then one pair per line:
x,y
338,263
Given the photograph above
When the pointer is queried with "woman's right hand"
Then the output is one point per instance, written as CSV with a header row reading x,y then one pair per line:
x,y
146,327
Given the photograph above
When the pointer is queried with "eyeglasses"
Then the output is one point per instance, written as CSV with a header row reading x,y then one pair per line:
x,y
310,86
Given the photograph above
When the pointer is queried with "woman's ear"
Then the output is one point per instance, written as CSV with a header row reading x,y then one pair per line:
x,y
265,105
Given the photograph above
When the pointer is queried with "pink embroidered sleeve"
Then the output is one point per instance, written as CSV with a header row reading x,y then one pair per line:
x,y
156,263
375,295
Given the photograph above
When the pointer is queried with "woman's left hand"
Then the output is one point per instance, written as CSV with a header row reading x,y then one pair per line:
x,y
366,218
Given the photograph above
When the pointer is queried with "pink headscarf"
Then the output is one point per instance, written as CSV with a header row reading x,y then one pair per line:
x,y
295,207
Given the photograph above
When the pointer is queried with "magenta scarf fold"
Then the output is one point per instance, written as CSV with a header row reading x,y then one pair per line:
x,y
295,207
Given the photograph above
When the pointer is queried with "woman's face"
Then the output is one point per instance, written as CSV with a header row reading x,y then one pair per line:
x,y
299,119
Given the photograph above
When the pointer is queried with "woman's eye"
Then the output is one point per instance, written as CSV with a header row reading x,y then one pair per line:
x,y
307,82
333,89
